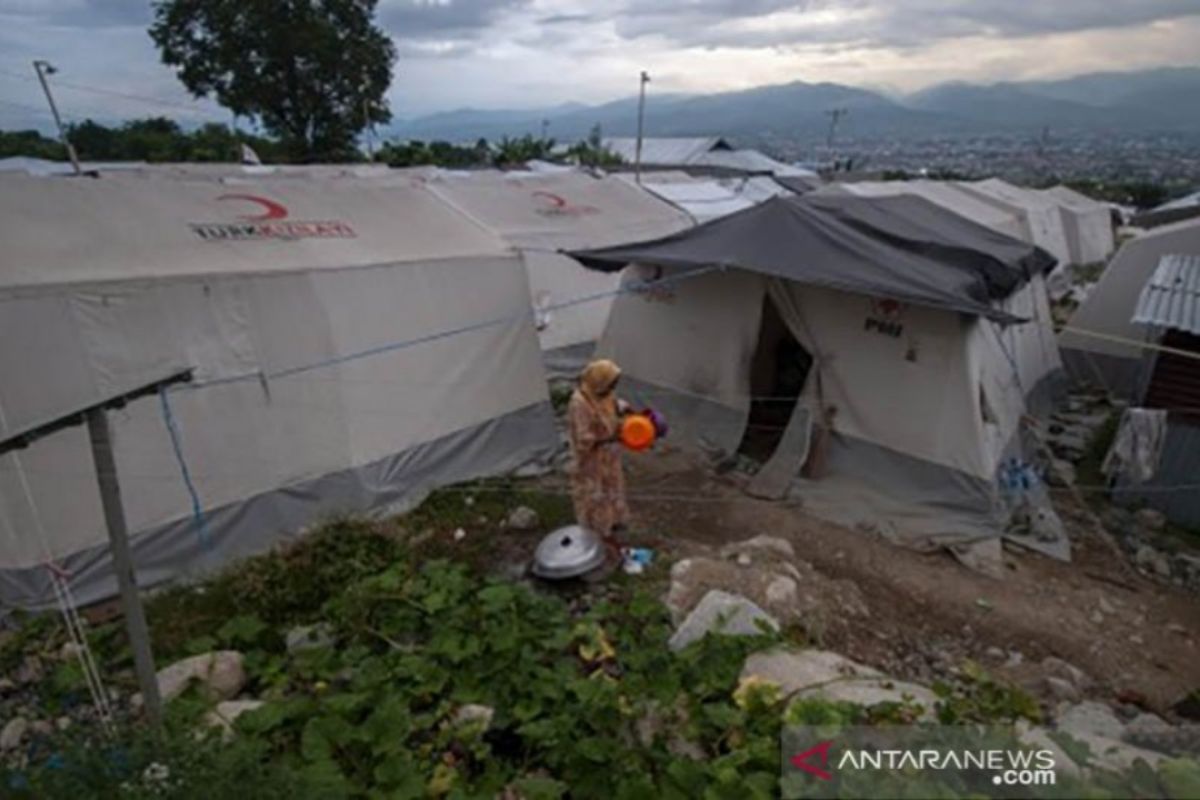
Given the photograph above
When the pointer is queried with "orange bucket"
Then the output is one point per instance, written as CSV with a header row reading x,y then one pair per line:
x,y
637,432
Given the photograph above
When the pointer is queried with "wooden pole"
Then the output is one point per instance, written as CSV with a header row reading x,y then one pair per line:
x,y
118,537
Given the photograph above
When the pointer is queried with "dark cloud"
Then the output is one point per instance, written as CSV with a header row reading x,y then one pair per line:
x,y
443,19
567,19
81,13
880,23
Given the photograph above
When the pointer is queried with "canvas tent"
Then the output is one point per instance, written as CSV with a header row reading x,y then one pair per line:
x,y
319,317
707,198
1088,224
1100,343
1040,215
910,366
540,214
666,150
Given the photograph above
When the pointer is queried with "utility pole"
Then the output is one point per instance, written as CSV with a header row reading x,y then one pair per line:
x,y
545,129
44,68
835,116
370,130
637,167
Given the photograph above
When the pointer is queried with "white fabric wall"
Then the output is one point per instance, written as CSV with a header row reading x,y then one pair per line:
x,y
542,213
947,196
239,440
925,407
1088,225
1032,345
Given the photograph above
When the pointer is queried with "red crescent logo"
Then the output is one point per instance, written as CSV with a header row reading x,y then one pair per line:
x,y
272,210
554,199
820,752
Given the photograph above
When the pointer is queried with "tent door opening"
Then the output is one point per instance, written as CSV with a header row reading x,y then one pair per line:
x,y
778,371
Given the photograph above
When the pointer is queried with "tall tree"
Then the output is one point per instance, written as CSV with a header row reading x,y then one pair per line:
x,y
313,72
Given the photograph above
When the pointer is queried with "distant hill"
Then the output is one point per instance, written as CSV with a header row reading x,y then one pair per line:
x,y
1145,101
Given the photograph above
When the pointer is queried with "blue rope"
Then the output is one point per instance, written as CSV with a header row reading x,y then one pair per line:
x,y
176,445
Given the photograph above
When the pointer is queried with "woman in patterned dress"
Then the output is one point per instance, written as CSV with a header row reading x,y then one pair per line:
x,y
594,425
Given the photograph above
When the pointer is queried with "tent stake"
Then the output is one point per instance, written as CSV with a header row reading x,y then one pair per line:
x,y
118,537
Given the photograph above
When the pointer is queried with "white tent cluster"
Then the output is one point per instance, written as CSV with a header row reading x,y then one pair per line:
x,y
358,336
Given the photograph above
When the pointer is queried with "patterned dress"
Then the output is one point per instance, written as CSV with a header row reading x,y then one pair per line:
x,y
597,482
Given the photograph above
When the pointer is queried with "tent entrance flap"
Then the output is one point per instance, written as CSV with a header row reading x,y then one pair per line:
x,y
779,369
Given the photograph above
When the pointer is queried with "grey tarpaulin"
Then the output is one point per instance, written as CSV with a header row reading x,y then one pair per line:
x,y
915,224
797,240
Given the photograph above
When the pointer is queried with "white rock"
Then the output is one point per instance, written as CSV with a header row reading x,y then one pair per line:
x,y
744,560
1039,737
222,674
1063,690
226,713
62,723
459,535
1145,726
522,518
309,637
474,714
781,591
13,733
1105,607
1092,719
724,613
1057,668
763,543
70,651
821,673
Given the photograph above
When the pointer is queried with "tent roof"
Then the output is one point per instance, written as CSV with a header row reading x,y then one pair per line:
x,y
946,195
749,161
560,209
122,227
922,227
794,239
704,200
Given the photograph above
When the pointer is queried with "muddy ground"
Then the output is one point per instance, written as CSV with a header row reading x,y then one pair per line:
x,y
1136,639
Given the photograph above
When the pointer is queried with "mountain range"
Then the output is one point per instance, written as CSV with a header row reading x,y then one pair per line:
x,y
1159,100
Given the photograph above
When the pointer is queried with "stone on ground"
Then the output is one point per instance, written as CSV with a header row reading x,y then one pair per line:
x,y
723,613
1091,718
13,733
522,518
221,674
827,675
309,637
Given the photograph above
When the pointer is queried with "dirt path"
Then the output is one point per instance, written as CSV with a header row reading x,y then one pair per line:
x,y
1128,633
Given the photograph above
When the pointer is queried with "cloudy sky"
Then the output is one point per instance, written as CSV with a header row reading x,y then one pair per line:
x,y
535,53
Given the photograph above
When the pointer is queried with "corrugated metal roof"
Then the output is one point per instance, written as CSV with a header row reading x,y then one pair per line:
x,y
1171,298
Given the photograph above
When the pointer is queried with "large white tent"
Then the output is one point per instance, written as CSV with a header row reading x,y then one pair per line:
x,y
542,213
1041,216
354,343
708,198
1101,343
921,400
1088,224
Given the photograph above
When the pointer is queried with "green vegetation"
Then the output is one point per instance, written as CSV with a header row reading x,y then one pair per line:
x,y
587,700
154,139
313,74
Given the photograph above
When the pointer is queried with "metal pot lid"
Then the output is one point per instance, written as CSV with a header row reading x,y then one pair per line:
x,y
568,553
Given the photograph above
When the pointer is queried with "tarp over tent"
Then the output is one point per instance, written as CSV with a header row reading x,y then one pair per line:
x,y
768,237
1041,216
1006,221
540,214
1101,343
913,373
354,343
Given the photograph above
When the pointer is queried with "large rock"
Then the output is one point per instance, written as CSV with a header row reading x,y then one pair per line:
x,y
824,674
1040,738
724,613
13,733
762,545
221,674
1153,561
1091,719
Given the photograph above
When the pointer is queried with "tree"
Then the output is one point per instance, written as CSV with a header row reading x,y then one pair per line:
x,y
313,72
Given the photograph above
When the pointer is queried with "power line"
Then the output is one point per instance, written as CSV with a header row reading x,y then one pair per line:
x,y
82,87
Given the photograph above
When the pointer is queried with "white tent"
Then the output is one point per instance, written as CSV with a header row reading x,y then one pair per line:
x,y
1040,215
354,344
542,213
1101,343
665,151
1087,222
751,161
924,405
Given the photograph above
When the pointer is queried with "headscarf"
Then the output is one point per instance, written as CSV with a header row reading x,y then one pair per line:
x,y
597,378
